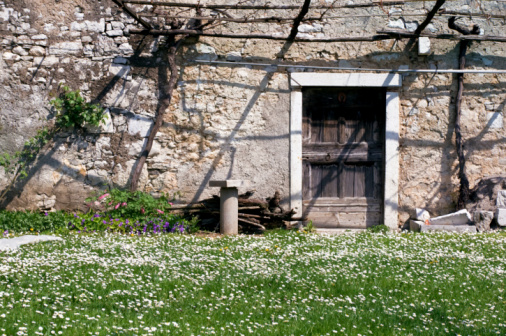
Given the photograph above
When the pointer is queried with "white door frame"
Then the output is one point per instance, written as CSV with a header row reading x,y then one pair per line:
x,y
298,80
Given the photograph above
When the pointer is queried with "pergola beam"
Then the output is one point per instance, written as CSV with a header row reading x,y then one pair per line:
x,y
260,7
134,15
382,35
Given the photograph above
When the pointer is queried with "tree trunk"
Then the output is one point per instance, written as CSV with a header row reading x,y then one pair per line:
x,y
166,90
464,182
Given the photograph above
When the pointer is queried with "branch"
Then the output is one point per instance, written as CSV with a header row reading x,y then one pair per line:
x,y
122,5
462,30
241,20
430,16
295,28
156,32
406,34
259,7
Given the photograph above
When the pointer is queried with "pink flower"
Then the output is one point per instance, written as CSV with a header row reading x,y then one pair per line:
x,y
159,211
117,206
103,196
123,204
171,203
143,211
110,203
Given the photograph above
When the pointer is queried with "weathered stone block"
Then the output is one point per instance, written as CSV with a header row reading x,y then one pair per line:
x,y
20,51
66,48
460,217
494,120
415,225
482,220
139,124
94,26
420,214
37,51
500,216
116,32
119,70
501,199
423,46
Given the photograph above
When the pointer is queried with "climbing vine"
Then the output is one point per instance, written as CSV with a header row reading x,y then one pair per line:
x,y
72,111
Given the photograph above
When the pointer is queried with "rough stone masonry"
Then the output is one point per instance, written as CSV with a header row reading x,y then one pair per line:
x,y
230,121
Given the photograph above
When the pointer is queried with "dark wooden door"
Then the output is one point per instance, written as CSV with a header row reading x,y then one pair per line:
x,y
342,151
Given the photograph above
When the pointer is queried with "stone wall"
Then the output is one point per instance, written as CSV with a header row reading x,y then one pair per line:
x,y
229,121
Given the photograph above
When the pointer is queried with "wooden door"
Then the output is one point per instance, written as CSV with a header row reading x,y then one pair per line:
x,y
342,151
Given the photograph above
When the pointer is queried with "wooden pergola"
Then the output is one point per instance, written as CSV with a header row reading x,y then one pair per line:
x,y
180,20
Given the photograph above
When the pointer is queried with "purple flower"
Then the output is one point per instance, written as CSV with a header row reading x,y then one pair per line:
x,y
6,232
45,213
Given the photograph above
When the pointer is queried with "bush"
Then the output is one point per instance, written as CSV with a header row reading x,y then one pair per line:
x,y
22,221
115,211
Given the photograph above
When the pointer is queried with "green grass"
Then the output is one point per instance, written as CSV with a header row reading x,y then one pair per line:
x,y
277,284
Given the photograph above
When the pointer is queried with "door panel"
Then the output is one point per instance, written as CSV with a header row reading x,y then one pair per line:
x,y
343,145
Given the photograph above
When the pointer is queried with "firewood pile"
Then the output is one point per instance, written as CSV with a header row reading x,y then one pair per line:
x,y
254,216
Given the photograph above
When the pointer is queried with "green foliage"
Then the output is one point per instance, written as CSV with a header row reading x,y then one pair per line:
x,y
74,111
378,229
23,221
126,204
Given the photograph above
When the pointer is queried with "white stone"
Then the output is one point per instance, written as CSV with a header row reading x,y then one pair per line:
x,y
75,26
37,51
397,24
460,217
421,214
229,183
15,243
500,216
234,56
494,120
48,61
119,70
126,48
8,56
423,46
411,26
430,27
112,33
39,37
139,124
501,199
307,28
66,48
205,52
117,25
95,26
353,79
20,51
135,148
103,128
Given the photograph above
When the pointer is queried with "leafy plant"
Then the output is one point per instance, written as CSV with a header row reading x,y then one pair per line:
x,y
74,111
378,229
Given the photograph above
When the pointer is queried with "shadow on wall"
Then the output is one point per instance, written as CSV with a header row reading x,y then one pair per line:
x,y
373,60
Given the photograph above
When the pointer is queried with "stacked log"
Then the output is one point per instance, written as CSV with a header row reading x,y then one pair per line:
x,y
255,215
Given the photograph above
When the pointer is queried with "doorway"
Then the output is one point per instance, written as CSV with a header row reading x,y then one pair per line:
x,y
344,148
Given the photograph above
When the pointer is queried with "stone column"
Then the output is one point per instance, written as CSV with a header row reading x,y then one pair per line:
x,y
229,204
228,211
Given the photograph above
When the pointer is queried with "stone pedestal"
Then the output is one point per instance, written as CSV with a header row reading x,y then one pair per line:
x,y
229,204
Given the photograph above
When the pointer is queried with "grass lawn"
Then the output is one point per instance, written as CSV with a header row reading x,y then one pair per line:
x,y
277,284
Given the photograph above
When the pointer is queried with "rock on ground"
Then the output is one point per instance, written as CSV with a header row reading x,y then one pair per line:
x,y
15,243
